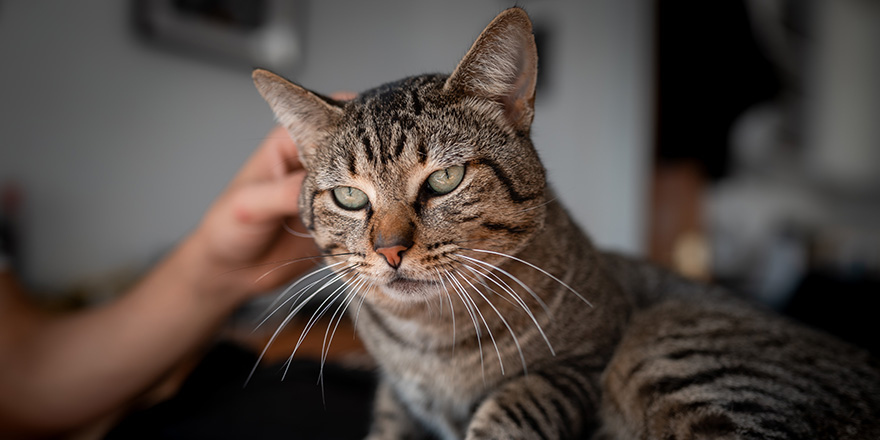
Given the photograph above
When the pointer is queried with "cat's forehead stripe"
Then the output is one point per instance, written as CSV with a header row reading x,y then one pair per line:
x,y
401,140
351,160
386,121
416,104
422,150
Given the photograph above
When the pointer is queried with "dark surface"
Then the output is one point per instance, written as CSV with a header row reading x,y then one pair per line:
x,y
845,306
214,403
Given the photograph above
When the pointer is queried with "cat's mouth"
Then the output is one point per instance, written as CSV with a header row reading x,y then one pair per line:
x,y
408,285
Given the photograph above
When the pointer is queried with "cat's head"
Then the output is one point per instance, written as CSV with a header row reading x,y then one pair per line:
x,y
407,180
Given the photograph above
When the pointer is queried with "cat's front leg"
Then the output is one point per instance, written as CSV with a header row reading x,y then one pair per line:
x,y
391,420
555,404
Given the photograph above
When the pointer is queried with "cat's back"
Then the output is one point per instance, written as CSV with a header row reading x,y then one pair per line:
x,y
709,366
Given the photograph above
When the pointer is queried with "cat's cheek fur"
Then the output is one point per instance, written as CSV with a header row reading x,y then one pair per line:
x,y
333,229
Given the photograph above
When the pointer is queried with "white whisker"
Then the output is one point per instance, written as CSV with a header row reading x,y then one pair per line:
x,y
428,306
340,311
512,277
266,315
293,232
507,288
547,202
468,308
338,315
497,351
478,313
451,309
357,314
536,268
293,261
320,311
440,297
480,277
518,301
290,316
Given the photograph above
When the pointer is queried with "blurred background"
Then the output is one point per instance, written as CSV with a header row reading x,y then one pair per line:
x,y
122,120
734,141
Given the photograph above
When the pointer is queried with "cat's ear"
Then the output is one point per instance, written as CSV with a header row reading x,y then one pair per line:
x,y
306,115
502,66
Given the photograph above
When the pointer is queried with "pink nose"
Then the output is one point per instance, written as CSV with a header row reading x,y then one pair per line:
x,y
392,254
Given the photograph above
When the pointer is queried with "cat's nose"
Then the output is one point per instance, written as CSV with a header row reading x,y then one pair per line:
x,y
393,254
392,244
393,233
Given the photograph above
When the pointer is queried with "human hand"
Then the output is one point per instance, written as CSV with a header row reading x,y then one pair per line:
x,y
242,238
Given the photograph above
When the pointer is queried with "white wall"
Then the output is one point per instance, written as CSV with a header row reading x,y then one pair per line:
x,y
120,147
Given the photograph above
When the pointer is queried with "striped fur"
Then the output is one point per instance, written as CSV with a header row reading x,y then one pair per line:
x,y
500,319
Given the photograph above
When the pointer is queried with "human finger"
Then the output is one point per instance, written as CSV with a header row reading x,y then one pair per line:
x,y
276,156
343,95
269,200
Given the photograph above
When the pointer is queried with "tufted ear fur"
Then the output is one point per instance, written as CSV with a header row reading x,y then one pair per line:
x,y
502,66
306,115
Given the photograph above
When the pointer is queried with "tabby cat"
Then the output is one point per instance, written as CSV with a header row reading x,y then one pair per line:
x,y
490,313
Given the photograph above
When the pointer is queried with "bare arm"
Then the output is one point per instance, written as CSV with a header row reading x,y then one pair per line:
x,y
60,371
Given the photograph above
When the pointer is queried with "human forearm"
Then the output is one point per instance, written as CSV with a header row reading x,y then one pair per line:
x,y
58,372
77,367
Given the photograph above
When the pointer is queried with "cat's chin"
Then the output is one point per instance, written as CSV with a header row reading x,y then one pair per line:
x,y
407,286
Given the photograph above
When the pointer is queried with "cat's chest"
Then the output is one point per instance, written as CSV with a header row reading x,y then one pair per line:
x,y
439,390
444,400
453,381
453,376
448,376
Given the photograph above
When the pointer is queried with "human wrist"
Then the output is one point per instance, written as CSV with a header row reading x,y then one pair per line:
x,y
204,275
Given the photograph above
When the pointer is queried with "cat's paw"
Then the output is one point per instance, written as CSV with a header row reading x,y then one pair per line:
x,y
494,421
533,407
490,433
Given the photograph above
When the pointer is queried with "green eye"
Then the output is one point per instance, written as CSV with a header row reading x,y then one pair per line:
x,y
350,198
444,181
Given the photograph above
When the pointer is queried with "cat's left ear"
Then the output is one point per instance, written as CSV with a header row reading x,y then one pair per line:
x,y
305,115
502,65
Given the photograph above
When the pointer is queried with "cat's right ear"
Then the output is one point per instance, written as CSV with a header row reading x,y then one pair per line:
x,y
304,114
502,66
